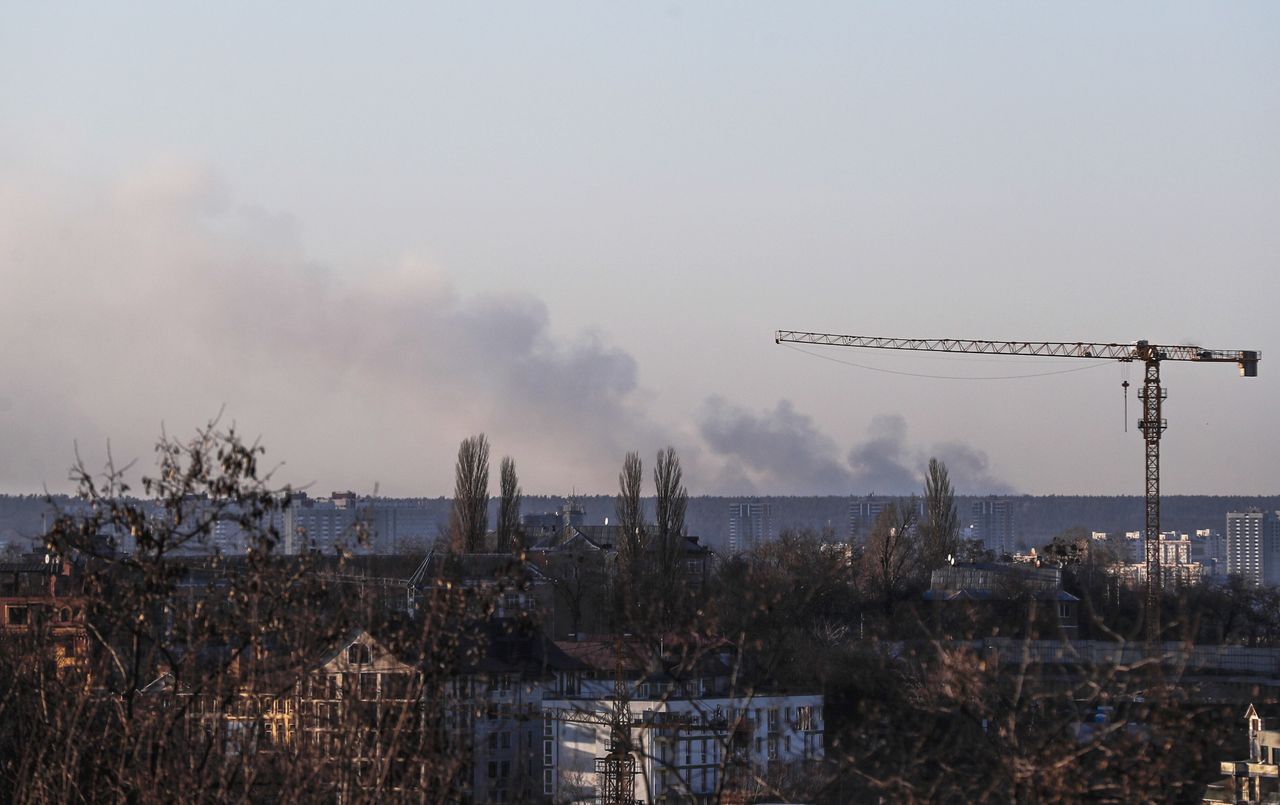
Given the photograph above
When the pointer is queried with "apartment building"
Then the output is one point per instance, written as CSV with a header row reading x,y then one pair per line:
x,y
750,524
691,735
1253,546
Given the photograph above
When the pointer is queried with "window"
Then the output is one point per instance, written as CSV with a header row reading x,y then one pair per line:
x,y
359,654
548,753
546,781
17,616
504,769
773,719
786,744
569,684
804,718
773,748
493,770
493,742
368,686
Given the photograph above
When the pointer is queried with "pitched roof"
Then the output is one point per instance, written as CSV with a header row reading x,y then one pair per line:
x,y
480,566
675,655
1269,713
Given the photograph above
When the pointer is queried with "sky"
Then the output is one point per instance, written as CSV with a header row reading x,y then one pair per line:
x,y
363,233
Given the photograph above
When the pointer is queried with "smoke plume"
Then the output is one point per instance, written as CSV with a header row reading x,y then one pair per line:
x,y
157,299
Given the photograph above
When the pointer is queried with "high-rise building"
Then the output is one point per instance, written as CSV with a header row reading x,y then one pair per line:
x,y
404,525
863,513
993,524
1209,548
1253,546
750,524
316,525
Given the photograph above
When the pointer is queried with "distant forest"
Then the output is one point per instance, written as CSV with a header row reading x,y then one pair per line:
x,y
1036,519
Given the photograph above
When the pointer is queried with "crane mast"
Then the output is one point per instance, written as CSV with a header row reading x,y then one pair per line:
x,y
1152,395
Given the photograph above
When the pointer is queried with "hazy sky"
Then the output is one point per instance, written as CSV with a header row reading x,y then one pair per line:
x,y
369,231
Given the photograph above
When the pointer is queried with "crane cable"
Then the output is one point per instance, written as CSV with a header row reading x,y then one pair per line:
x,y
1124,374
944,377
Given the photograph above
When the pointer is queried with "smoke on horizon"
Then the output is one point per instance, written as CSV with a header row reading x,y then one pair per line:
x,y
157,300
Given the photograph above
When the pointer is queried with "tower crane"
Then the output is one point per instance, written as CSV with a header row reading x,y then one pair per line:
x,y
1152,395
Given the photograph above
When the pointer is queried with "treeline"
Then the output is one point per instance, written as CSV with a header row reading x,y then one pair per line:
x,y
1037,519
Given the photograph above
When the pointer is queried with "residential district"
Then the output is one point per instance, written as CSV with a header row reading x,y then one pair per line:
x,y
372,656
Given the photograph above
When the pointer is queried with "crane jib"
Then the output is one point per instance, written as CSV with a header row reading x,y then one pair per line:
x,y
1136,351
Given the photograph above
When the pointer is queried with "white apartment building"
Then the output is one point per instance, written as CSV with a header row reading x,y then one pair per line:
x,y
992,520
1253,546
750,524
694,749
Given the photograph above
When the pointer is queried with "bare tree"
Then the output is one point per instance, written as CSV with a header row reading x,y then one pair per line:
x,y
940,530
470,516
670,505
170,666
630,513
509,508
892,552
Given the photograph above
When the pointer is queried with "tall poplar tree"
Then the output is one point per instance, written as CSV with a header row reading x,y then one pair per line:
x,y
630,514
469,519
509,508
940,531
672,500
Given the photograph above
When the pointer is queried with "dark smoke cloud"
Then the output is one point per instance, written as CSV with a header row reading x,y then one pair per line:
x,y
886,463
782,451
969,470
883,464
777,452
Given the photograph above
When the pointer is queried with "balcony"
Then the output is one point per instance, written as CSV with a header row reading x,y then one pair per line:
x,y
1243,768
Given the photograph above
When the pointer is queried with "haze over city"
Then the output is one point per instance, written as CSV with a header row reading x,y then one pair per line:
x,y
574,227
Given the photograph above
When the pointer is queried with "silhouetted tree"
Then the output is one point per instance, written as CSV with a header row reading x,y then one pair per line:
x,y
940,530
630,515
470,516
672,500
509,508
163,676
892,553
